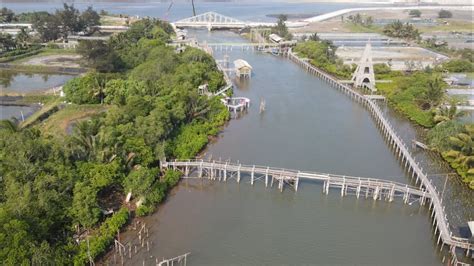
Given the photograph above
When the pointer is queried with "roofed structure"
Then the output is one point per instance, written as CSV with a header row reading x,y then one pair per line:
x,y
242,68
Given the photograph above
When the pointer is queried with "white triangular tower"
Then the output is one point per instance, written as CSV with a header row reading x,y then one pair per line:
x,y
364,75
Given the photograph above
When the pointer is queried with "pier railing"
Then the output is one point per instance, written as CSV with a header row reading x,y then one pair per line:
x,y
438,215
225,170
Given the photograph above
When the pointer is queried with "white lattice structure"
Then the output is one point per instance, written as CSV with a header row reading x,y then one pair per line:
x,y
210,20
364,75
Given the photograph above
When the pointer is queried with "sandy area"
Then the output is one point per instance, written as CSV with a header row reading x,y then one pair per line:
x,y
337,25
65,60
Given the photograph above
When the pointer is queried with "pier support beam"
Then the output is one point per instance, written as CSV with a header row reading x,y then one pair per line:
x,y
238,173
266,176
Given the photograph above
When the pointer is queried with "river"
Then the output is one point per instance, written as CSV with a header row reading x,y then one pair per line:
x,y
307,125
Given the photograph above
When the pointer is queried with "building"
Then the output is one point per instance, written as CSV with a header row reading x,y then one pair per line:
x,y
242,68
275,38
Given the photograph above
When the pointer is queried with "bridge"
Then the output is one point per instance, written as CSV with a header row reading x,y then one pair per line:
x,y
415,171
212,20
223,170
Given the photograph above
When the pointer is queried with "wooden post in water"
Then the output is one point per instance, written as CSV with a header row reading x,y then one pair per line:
x,y
266,176
225,171
200,169
342,187
252,175
358,188
238,173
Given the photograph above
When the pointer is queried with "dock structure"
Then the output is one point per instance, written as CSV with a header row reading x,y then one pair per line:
x,y
376,189
242,69
179,260
414,170
236,104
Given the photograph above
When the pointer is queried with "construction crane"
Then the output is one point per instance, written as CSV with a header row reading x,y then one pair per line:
x,y
171,5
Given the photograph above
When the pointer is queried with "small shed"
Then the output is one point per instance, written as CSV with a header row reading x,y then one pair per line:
x,y
242,68
275,38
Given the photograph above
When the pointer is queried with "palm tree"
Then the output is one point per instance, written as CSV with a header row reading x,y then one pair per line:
x,y
22,38
461,156
85,140
434,93
448,113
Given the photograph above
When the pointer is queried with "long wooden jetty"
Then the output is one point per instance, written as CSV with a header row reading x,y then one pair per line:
x,y
440,221
359,186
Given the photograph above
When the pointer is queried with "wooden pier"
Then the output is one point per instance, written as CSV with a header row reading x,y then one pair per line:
x,y
438,215
376,189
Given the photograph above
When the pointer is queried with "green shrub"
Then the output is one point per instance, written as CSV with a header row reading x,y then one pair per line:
x,y
100,240
415,13
458,65
445,14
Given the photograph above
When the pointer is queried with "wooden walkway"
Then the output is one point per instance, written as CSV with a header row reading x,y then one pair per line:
x,y
369,187
438,215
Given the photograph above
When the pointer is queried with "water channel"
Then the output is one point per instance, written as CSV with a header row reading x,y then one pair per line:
x,y
307,125
310,126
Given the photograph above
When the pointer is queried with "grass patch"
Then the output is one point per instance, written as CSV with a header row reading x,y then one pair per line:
x,y
357,28
57,124
46,52
45,110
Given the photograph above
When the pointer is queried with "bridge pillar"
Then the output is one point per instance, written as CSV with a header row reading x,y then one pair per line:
x,y
296,183
422,201
280,183
407,195
211,176
342,187
238,173
225,171
200,169
252,175
392,193
266,176
186,170
376,192
367,190
358,188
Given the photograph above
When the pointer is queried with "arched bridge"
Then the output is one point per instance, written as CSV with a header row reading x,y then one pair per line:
x,y
211,20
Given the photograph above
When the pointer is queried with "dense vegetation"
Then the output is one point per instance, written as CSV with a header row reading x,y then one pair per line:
x,y
323,55
401,30
455,142
417,95
281,29
49,27
55,191
416,13
445,14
